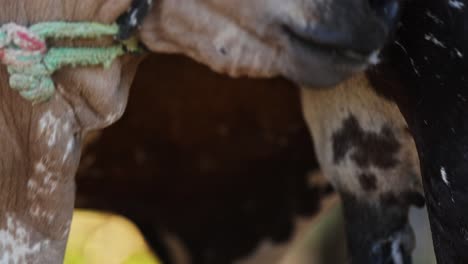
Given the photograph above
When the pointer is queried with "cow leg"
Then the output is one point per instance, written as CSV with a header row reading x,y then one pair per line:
x,y
430,84
442,141
438,117
365,150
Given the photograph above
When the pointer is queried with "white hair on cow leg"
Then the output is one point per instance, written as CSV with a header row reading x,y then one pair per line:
x,y
456,4
15,242
430,37
415,69
374,58
443,175
458,52
434,18
133,18
396,251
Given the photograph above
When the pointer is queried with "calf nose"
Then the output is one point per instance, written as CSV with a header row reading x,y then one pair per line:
x,y
387,10
356,29
359,41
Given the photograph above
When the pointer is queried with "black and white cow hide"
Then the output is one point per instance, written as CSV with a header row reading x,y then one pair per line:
x,y
425,70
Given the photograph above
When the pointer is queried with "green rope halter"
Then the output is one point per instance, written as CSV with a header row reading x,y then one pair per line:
x,y
31,65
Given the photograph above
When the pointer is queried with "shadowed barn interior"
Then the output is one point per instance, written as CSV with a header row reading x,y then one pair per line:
x,y
222,164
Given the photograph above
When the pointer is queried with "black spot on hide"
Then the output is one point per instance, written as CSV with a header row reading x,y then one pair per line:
x,y
368,181
368,148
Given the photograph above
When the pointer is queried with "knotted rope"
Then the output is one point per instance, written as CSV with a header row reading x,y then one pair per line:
x,y
31,63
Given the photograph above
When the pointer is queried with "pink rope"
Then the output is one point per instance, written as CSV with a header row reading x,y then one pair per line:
x,y
20,47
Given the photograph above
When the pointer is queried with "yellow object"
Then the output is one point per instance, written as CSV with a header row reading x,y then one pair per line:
x,y
97,238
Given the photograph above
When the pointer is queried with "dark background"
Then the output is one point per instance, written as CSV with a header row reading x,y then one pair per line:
x,y
221,163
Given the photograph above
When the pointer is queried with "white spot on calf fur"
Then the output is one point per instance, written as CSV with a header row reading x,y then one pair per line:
x,y
68,149
41,189
36,211
66,229
40,167
456,4
51,127
443,174
48,126
66,127
16,245
45,187
111,118
41,186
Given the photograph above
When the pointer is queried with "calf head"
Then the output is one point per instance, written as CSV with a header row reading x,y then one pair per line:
x,y
312,42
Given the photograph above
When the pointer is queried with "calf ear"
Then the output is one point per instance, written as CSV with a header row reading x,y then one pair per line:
x,y
131,19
